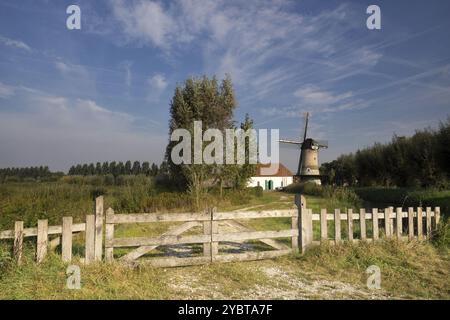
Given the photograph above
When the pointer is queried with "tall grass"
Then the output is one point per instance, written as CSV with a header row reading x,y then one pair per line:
x,y
333,194
407,197
74,195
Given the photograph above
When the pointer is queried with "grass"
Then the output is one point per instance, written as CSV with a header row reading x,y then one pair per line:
x,y
409,270
406,197
30,201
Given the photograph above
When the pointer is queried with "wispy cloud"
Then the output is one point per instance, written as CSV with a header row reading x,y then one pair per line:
x,y
145,22
71,69
14,43
312,95
126,66
5,90
157,82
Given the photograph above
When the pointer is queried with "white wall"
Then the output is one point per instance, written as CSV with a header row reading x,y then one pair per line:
x,y
278,182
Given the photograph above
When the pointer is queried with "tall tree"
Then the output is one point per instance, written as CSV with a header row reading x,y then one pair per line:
x,y
203,99
154,170
136,169
145,168
127,169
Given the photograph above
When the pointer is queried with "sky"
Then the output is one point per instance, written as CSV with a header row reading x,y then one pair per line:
x,y
102,93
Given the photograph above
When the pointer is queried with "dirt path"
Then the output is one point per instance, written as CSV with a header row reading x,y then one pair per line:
x,y
278,281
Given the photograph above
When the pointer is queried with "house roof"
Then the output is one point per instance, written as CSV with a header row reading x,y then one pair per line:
x,y
282,171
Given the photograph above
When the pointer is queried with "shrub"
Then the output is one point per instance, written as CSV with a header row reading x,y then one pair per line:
x,y
108,180
441,237
257,191
330,192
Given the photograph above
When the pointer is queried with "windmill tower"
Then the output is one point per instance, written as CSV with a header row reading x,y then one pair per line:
x,y
308,163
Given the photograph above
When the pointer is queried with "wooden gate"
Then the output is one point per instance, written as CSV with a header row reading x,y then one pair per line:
x,y
213,225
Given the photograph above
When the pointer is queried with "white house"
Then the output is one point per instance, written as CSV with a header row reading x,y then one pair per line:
x,y
282,178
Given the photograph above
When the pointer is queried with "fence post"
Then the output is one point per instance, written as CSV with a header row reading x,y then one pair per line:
x,y
214,230
18,241
323,225
437,216
375,232
399,223
90,239
350,224
304,223
419,223
387,222
42,240
109,236
99,216
337,225
410,223
66,239
428,219
362,223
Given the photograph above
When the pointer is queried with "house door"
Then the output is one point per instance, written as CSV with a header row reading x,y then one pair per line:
x,y
270,185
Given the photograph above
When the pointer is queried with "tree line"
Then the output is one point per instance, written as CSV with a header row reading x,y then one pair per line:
x,y
20,174
118,168
422,160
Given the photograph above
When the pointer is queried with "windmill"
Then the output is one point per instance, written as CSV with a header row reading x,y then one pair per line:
x,y
308,163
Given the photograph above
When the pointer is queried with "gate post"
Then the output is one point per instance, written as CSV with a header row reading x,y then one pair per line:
x,y
109,236
304,223
99,216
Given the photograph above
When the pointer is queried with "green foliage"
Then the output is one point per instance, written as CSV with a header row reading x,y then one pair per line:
x,y
417,161
28,174
52,200
257,191
203,99
336,194
441,237
115,169
108,180
406,197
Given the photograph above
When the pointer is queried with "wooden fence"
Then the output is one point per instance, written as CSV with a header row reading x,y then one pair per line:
x,y
346,226
412,224
93,229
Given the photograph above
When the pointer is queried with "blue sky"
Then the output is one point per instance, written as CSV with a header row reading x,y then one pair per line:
x,y
102,93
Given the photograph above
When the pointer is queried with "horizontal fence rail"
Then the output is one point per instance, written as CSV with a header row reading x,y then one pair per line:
x,y
307,228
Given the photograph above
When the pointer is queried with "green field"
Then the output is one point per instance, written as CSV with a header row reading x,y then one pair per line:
x,y
409,270
406,197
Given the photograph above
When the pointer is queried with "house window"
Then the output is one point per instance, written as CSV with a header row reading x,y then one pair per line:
x,y
258,184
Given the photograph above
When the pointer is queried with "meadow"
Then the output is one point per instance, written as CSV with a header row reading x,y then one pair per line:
x,y
409,270
406,197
